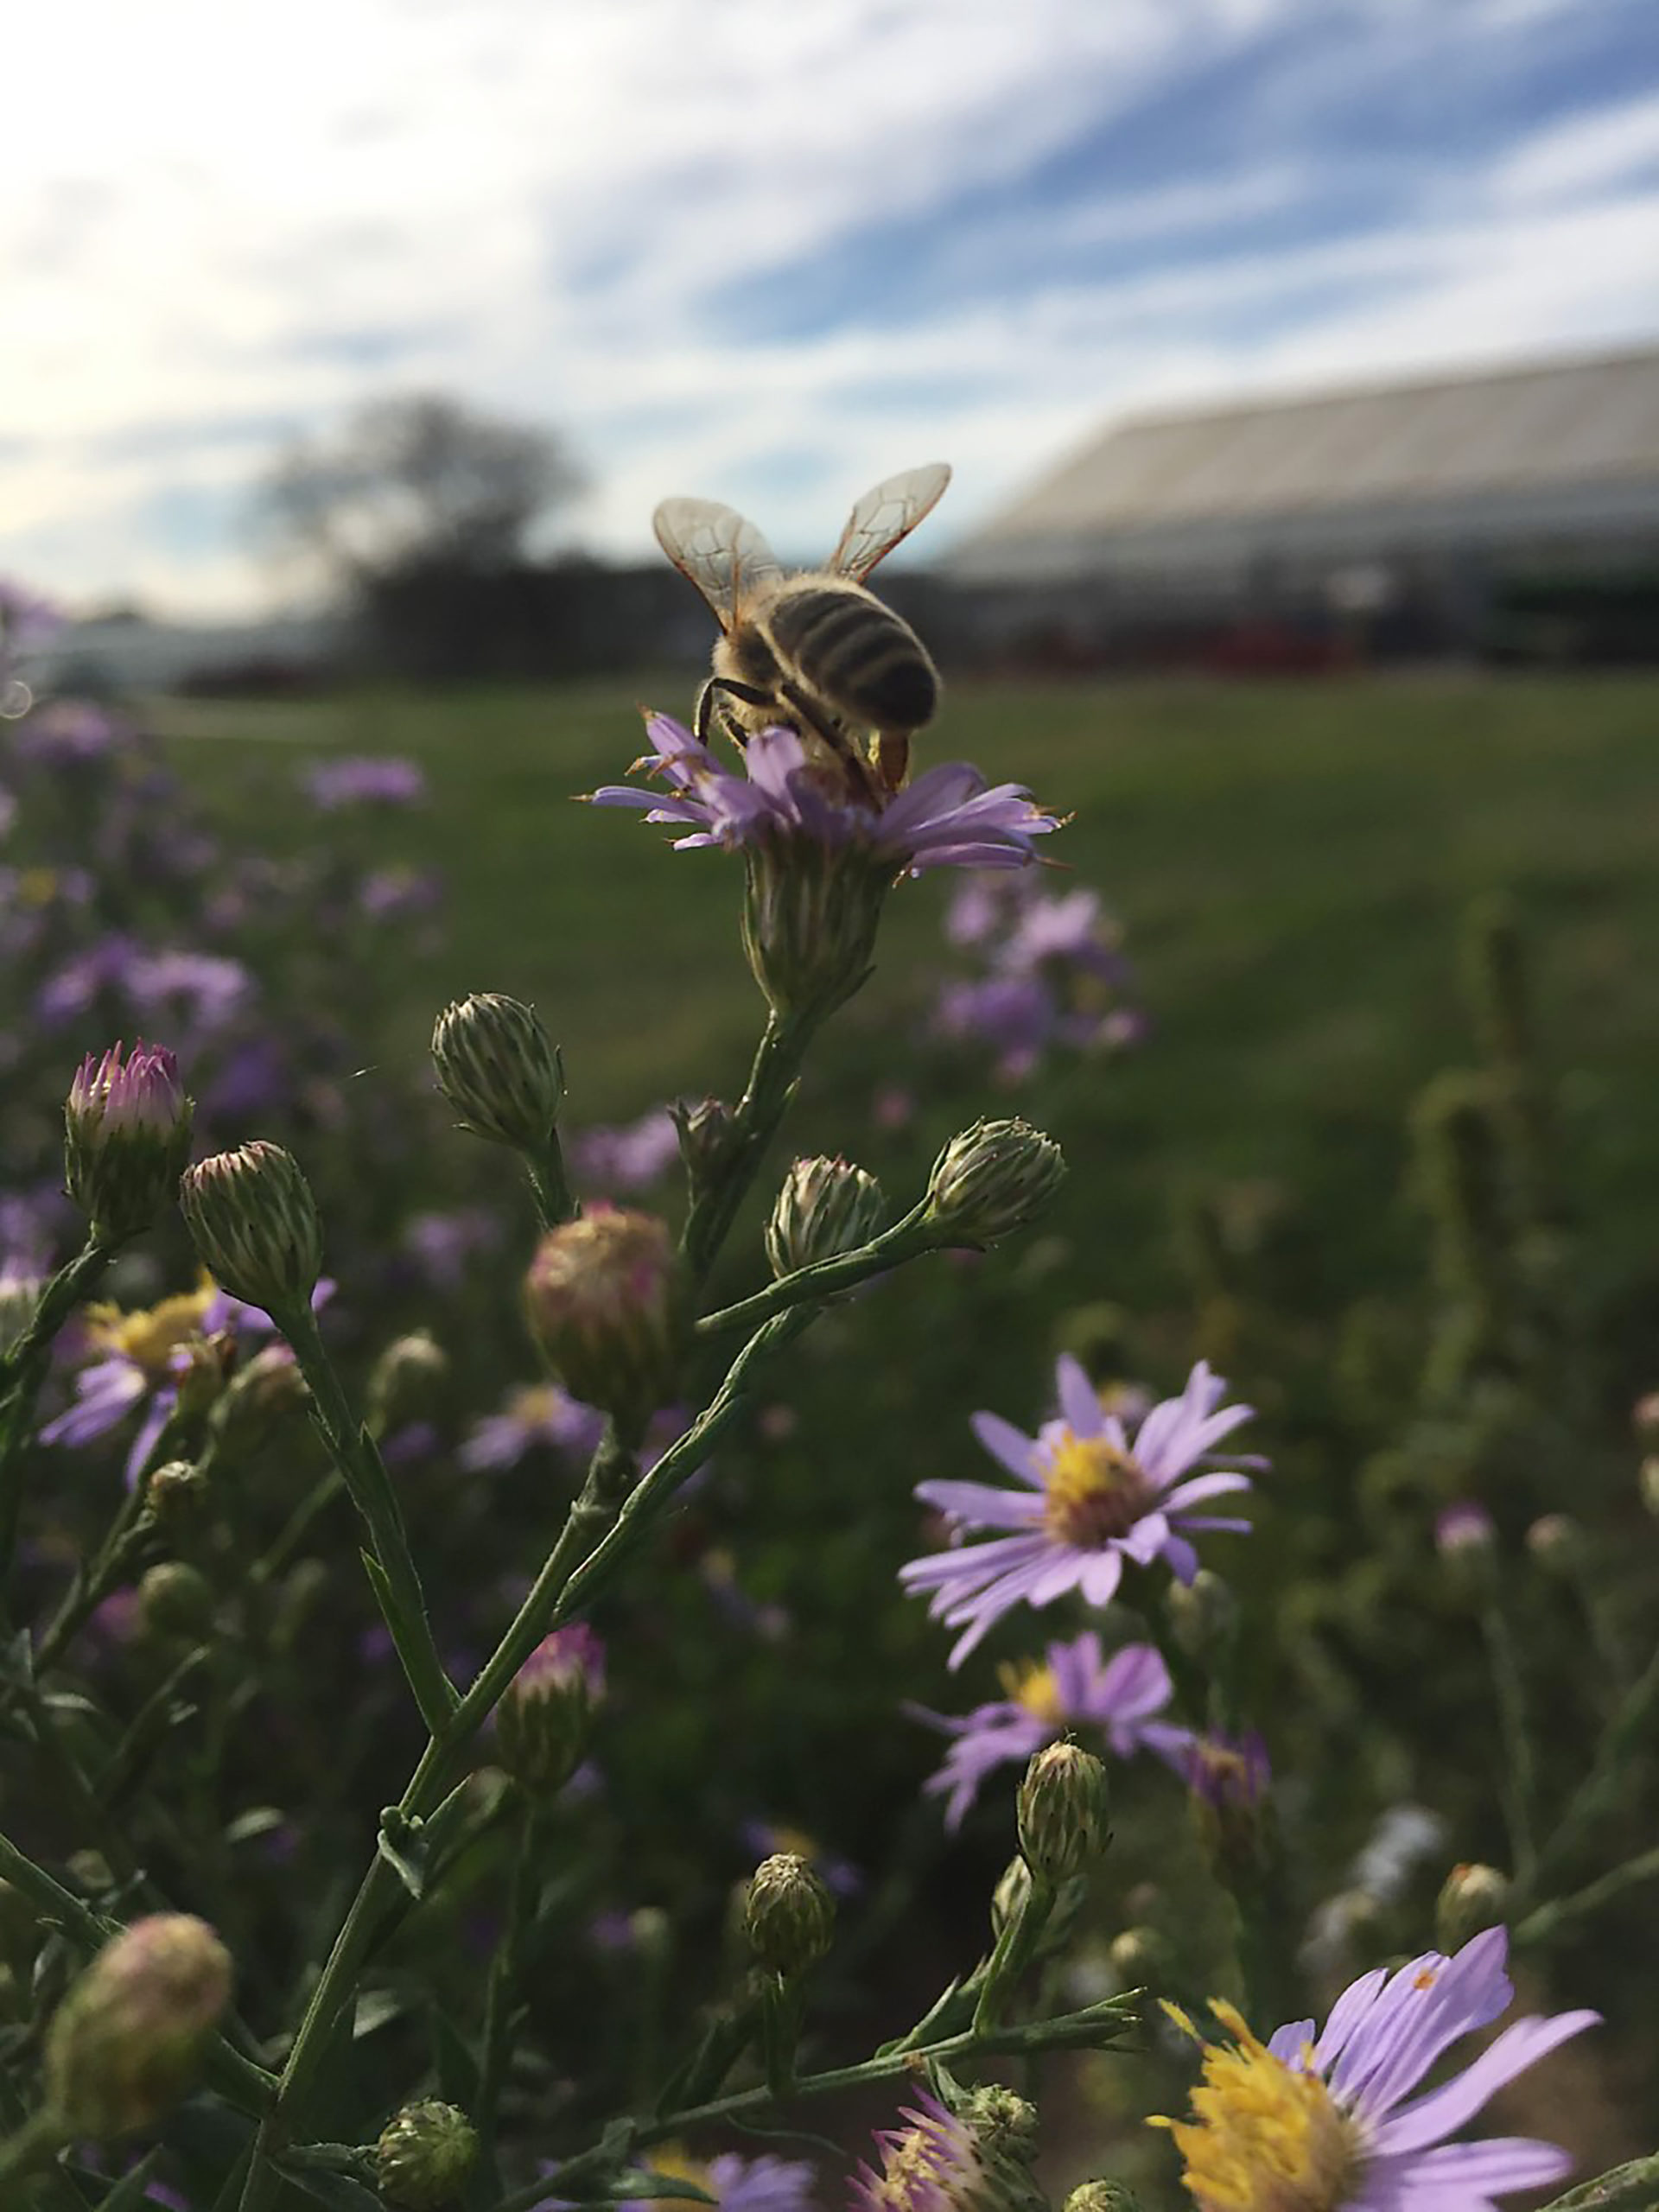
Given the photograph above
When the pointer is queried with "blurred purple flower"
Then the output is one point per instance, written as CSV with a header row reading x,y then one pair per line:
x,y
73,989
1071,1688
1227,1772
251,1080
441,1244
1090,1500
538,1413
70,733
368,780
27,620
614,1162
949,818
1465,1526
201,990
388,894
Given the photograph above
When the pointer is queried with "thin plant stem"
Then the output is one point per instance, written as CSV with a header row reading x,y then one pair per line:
x,y
396,1585
1543,1925
597,1536
754,1123
905,1240
1603,1788
506,1972
550,1182
1518,1784
1633,2188
21,1373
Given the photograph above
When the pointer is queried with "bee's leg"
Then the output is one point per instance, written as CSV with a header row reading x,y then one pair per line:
x,y
892,758
831,735
708,707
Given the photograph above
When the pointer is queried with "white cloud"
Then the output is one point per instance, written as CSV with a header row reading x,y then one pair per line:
x,y
214,219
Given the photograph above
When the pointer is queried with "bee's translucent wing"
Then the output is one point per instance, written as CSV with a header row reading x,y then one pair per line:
x,y
724,556
885,515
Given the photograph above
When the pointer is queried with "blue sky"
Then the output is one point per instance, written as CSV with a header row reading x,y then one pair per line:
x,y
764,255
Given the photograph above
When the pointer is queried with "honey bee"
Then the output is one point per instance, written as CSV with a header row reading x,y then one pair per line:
x,y
815,651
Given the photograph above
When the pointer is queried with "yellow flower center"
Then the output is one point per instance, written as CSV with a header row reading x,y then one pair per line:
x,y
1095,1490
537,1401
668,2158
1262,2139
150,1335
1028,1682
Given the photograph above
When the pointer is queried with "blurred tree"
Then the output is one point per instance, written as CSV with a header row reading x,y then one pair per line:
x,y
418,483
419,511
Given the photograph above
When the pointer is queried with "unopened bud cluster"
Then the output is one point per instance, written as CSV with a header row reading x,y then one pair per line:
x,y
825,1208
255,1225
1063,1812
126,2044
424,2155
544,1718
993,1179
789,1916
126,1138
609,1305
499,1069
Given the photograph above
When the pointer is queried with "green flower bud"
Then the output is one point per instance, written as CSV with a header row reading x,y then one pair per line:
x,y
994,1178
1063,1812
1140,1958
825,1208
424,2155
175,1599
254,1222
406,1380
789,1916
609,1305
127,2041
1102,2197
1472,1897
176,1496
1003,2122
705,1128
499,1069
261,1396
1557,1542
1204,1613
810,914
1010,1898
126,1137
20,1300
544,1718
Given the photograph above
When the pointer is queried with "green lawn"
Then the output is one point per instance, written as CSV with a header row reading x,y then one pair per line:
x,y
1291,863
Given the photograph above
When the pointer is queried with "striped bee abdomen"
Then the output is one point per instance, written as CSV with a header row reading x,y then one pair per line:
x,y
855,653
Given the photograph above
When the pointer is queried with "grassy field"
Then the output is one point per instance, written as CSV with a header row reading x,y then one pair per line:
x,y
1291,864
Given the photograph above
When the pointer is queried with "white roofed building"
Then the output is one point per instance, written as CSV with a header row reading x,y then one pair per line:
x,y
1430,492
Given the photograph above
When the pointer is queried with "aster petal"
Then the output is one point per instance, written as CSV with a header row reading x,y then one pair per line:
x,y
1421,2011
1080,1400
1134,1684
1350,2009
978,1505
1182,1558
1288,2043
1076,1668
1143,1542
1194,1491
1431,2118
104,1394
1101,1575
1016,1451
1466,2176
1064,1571
972,1564
160,1412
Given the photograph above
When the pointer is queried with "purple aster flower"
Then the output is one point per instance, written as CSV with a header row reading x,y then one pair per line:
x,y
1073,1687
1229,1773
73,989
1017,1014
540,1413
930,2163
1463,1527
619,1161
1338,2122
388,894
203,989
27,620
442,1243
252,1078
1092,1498
379,779
949,818
70,733
735,2182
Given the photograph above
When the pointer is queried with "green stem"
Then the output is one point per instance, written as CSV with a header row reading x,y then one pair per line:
x,y
1602,1790
1518,1783
1633,2188
321,1495
1098,2028
754,1123
21,1373
1548,1919
555,1202
506,1970
905,1240
127,1539
576,1563
1016,1947
397,1585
